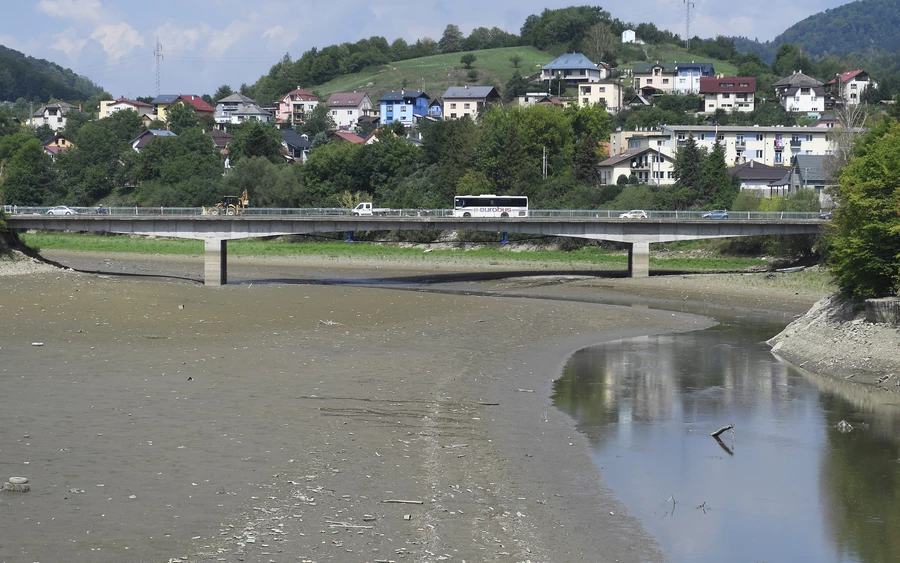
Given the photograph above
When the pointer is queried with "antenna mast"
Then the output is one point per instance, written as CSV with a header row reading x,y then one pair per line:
x,y
159,57
687,24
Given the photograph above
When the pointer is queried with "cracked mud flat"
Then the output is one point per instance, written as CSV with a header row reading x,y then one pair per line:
x,y
161,420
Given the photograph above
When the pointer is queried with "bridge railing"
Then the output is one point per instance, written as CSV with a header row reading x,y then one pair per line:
x,y
340,212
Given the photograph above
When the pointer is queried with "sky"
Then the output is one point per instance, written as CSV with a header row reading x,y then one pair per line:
x,y
205,44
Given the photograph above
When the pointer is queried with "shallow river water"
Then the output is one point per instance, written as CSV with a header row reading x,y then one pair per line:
x,y
788,484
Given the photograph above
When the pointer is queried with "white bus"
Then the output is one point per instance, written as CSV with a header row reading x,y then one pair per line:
x,y
489,205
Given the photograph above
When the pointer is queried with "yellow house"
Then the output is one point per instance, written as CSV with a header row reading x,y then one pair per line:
x,y
609,93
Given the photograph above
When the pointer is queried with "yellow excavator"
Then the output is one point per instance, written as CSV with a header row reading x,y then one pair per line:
x,y
230,205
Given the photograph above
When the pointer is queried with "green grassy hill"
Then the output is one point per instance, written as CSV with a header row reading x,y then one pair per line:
x,y
435,74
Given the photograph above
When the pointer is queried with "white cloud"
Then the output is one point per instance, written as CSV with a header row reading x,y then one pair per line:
x,y
68,43
279,38
84,10
117,39
182,38
222,40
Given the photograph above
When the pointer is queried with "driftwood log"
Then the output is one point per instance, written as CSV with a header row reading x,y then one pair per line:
x,y
720,430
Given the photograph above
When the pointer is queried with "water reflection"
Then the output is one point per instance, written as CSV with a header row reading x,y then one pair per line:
x,y
786,486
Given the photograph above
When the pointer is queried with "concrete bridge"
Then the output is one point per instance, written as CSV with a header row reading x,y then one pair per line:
x,y
216,231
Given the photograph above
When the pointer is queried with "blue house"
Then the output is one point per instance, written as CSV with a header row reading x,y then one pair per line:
x,y
688,75
405,107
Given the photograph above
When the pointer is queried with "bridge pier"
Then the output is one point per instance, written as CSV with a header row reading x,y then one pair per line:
x,y
639,260
215,262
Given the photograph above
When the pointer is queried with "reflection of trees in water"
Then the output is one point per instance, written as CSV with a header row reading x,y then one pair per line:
x,y
859,489
860,472
684,377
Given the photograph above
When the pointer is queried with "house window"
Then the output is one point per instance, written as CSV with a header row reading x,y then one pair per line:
x,y
649,81
403,109
452,116
349,112
467,106
334,112
759,154
585,90
759,137
602,89
581,72
665,80
815,98
726,95
702,136
453,105
585,101
853,86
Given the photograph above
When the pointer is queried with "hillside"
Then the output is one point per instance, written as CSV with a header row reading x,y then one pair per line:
x,y
436,73
40,80
864,28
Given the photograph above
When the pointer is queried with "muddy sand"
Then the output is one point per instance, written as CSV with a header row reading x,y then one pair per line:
x,y
311,419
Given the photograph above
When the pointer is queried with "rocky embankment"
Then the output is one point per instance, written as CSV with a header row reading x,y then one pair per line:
x,y
834,339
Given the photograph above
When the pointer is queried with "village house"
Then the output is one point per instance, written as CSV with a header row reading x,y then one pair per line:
x,y
460,101
800,93
251,112
293,107
766,181
659,77
608,93
57,144
141,140
347,107
220,139
53,115
689,75
109,107
848,87
728,93
648,165
807,172
229,105
402,106
771,145
574,68
163,102
296,146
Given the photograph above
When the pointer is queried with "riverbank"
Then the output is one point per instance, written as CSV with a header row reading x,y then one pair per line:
x,y
834,340
314,419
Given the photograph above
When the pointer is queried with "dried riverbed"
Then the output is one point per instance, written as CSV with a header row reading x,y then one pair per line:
x,y
161,419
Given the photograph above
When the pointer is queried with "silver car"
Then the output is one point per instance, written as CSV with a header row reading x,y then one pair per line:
x,y
634,214
61,210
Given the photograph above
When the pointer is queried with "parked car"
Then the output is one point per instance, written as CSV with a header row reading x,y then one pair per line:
x,y
826,215
716,214
61,210
634,214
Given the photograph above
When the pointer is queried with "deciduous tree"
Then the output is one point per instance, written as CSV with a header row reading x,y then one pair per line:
x,y
865,243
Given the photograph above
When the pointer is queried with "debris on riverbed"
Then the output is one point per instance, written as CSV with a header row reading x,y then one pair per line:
x,y
16,485
844,426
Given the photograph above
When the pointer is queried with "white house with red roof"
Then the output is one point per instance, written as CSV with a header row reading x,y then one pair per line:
x,y
293,107
347,107
848,87
729,93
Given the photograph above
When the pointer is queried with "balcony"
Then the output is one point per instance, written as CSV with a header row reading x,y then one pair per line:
x,y
795,143
779,145
740,145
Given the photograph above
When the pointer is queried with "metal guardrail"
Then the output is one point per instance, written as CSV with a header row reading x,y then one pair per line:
x,y
448,213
